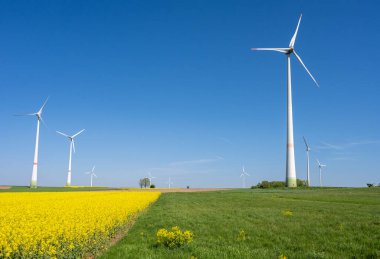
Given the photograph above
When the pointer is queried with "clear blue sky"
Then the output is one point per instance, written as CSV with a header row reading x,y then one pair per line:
x,y
172,87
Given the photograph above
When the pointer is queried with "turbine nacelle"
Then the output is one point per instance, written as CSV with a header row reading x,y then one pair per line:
x,y
244,173
71,138
288,51
320,165
307,145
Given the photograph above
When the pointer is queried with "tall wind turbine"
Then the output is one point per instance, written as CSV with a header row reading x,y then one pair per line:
x,y
72,147
308,161
170,182
291,179
150,177
33,182
92,173
243,175
320,172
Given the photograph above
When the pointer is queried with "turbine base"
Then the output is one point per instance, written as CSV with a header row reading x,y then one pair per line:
x,y
33,184
291,182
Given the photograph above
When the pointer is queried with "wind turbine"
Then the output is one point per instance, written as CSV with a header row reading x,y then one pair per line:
x,y
72,147
150,177
91,173
320,172
243,175
308,161
170,182
291,179
33,182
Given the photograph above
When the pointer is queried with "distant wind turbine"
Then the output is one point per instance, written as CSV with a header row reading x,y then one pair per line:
x,y
320,172
150,177
170,182
92,174
243,175
308,161
33,182
291,179
72,147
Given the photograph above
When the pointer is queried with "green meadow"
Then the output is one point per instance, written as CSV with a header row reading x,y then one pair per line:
x,y
299,223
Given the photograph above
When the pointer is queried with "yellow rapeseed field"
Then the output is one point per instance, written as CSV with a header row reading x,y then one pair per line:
x,y
64,224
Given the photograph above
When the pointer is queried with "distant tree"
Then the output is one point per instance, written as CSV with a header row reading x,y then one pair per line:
x,y
187,187
152,186
144,182
301,183
370,184
277,184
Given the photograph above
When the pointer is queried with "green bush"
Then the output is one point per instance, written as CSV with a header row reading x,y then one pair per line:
x,y
152,186
278,184
174,238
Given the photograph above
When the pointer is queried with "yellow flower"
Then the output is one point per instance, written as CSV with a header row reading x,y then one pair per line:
x,y
64,224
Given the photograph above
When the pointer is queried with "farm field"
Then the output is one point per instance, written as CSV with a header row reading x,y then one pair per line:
x,y
53,189
65,224
300,223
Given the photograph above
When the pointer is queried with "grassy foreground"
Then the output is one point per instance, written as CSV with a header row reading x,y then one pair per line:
x,y
314,223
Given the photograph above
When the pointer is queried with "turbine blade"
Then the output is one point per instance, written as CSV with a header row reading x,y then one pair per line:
x,y
95,175
93,168
27,114
293,40
247,174
63,134
43,106
43,122
73,143
305,143
282,50
78,133
307,70
318,162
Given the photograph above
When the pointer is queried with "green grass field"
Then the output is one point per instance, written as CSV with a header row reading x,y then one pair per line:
x,y
325,223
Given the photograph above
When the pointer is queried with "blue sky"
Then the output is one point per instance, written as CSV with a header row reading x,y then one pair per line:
x,y
172,87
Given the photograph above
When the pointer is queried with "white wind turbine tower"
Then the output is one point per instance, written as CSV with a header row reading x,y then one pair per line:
x,y
243,175
33,182
150,177
320,172
308,161
291,179
92,174
72,147
170,182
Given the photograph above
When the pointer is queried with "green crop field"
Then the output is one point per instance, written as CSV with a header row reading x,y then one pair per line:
x,y
306,223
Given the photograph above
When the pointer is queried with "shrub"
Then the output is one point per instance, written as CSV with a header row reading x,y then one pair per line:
x,y
152,186
174,238
301,183
278,184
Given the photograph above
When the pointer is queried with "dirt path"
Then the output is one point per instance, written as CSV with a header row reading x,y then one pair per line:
x,y
181,190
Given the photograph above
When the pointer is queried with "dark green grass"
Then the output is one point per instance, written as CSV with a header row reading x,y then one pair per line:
x,y
326,223
55,189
